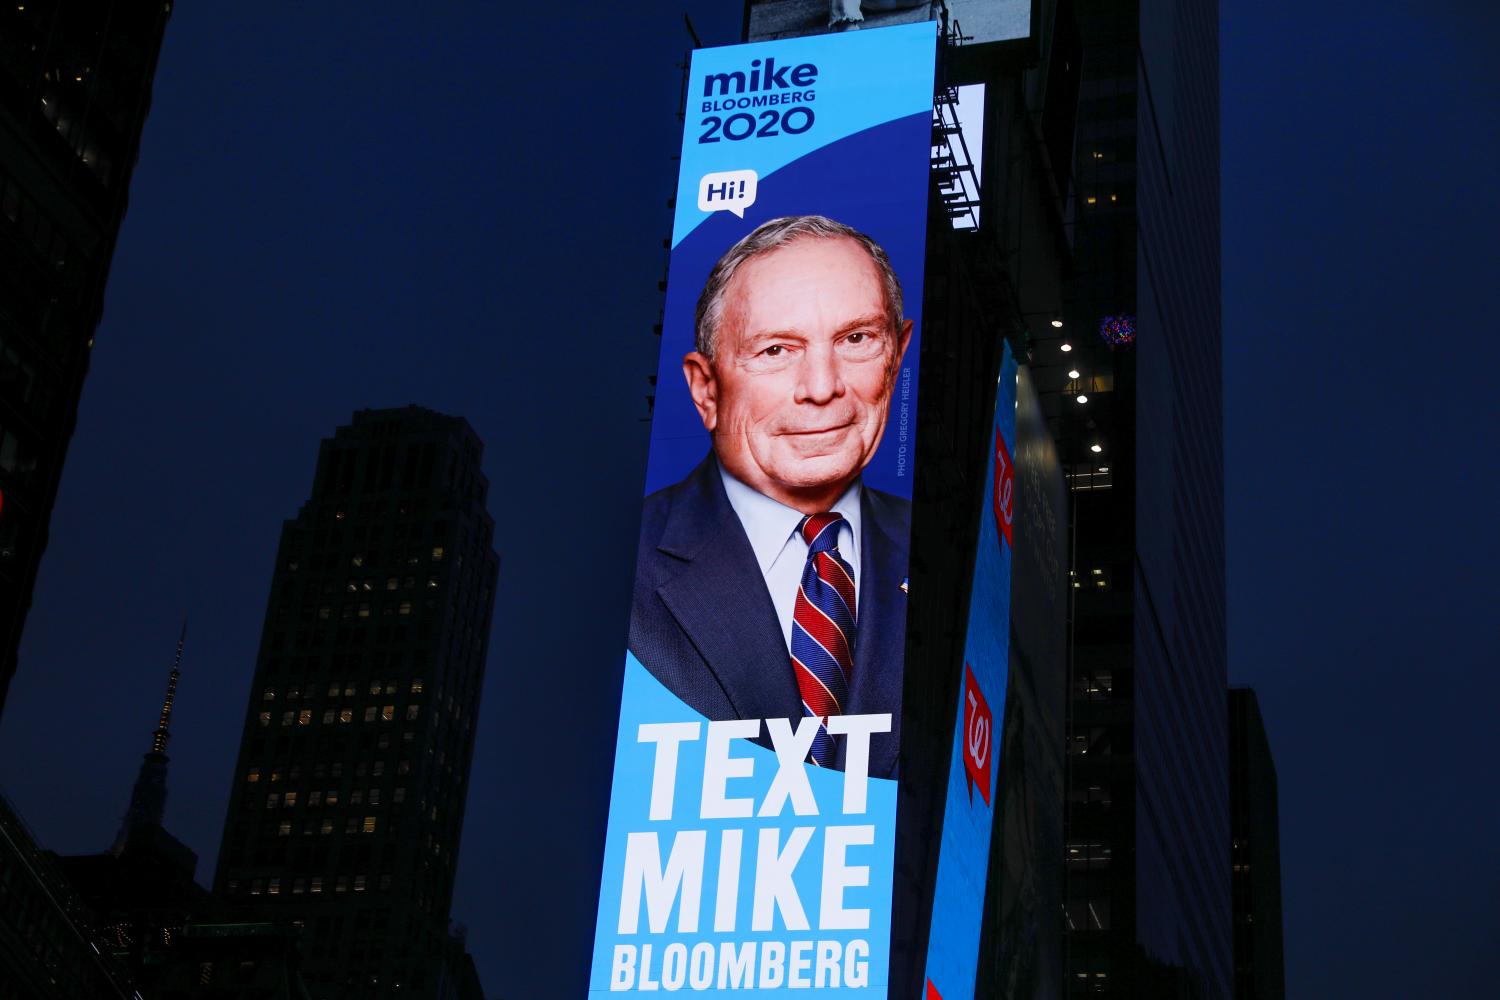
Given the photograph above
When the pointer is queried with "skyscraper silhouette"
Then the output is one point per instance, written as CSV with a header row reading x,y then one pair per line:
x,y
349,789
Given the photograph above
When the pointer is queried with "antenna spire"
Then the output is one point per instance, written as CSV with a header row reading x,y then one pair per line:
x,y
163,733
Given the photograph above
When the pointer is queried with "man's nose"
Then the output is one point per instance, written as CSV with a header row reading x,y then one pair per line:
x,y
819,377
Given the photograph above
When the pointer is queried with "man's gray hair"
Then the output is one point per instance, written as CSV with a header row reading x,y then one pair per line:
x,y
774,235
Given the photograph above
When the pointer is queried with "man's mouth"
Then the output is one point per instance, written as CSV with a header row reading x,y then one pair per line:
x,y
814,431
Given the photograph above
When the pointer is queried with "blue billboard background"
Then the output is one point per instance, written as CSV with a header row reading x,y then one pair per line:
x,y
968,818
730,865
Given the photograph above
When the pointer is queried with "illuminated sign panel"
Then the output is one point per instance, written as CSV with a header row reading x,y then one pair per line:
x,y
969,817
753,809
980,21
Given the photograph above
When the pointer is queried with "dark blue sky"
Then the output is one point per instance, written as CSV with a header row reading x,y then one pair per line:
x,y
466,211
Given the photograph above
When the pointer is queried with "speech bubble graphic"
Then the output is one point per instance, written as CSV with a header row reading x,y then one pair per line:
x,y
727,191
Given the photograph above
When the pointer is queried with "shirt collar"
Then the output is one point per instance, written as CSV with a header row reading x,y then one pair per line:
x,y
770,524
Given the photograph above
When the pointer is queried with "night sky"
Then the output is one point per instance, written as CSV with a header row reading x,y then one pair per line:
x,y
336,211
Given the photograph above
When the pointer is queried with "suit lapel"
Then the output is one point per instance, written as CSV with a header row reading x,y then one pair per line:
x,y
880,638
719,599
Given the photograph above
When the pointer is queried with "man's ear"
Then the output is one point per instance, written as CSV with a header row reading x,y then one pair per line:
x,y
704,387
902,343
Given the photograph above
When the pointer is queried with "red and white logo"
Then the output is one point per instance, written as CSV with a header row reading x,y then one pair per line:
x,y
932,993
1005,488
979,733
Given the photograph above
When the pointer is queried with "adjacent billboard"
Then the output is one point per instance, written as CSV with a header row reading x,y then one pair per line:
x,y
969,816
752,813
979,21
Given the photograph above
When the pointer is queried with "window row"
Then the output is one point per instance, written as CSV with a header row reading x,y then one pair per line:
x,y
304,717
311,885
347,688
330,797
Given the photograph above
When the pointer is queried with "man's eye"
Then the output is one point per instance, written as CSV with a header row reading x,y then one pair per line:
x,y
858,338
774,351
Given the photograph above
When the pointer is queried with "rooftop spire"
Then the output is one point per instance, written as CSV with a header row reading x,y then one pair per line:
x,y
148,799
162,734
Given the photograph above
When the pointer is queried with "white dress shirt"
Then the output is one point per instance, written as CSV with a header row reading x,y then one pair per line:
x,y
781,550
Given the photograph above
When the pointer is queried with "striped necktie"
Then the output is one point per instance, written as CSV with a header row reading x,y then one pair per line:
x,y
823,629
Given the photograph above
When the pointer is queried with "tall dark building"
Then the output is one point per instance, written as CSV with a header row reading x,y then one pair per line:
x,y
75,85
349,789
1259,972
1148,888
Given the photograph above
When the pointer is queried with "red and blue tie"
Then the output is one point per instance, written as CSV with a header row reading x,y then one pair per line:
x,y
823,629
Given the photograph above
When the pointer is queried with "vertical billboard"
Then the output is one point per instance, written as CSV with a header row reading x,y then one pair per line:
x,y
753,808
969,816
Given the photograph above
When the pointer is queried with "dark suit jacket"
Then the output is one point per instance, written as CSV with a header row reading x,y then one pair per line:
x,y
704,625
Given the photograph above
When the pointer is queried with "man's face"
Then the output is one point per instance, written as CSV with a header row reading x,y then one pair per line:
x,y
797,395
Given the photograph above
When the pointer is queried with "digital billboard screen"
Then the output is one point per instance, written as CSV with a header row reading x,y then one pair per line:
x,y
969,815
979,21
752,813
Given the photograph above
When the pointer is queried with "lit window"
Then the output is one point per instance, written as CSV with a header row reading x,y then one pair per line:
x,y
284,828
369,824
388,713
317,884
359,883
405,608
327,827
370,714
255,886
432,581
357,559
327,716
374,687
264,718
331,797
416,685
268,695
392,583
333,690
437,553
304,717
254,774
346,715
273,888
288,800
364,611
390,687
378,768
348,689
276,774
412,711
374,796
287,717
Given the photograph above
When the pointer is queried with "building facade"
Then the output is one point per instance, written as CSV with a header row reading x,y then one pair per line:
x,y
1259,968
1148,895
75,86
350,785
